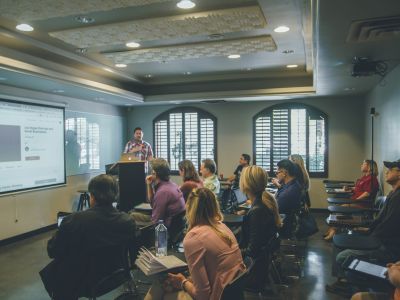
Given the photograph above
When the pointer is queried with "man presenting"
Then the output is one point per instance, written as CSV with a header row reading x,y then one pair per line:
x,y
81,236
138,146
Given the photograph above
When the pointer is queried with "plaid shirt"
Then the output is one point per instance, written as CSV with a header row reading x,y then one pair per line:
x,y
145,154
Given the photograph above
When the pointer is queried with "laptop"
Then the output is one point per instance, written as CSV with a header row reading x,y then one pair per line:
x,y
127,157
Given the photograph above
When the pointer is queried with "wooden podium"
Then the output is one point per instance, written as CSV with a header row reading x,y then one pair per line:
x,y
132,184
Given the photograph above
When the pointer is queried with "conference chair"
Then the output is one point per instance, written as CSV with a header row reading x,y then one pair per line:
x,y
176,229
108,269
234,289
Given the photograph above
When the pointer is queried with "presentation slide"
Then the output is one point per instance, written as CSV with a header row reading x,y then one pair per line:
x,y
32,146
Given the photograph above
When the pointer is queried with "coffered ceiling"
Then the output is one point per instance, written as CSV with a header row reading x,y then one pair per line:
x,y
79,48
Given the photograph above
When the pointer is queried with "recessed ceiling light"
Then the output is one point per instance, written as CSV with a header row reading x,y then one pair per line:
x,y
288,51
24,27
186,4
216,36
81,50
121,65
234,56
291,66
132,45
187,73
58,91
281,29
148,76
84,19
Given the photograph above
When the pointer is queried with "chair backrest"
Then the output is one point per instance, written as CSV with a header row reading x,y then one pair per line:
x,y
145,236
176,228
108,268
234,289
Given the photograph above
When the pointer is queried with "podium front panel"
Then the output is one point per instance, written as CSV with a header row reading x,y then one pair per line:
x,y
132,184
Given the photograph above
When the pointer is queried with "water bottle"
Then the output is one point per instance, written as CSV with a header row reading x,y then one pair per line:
x,y
161,239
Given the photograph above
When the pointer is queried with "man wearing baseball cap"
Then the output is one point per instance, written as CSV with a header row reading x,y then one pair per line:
x,y
385,228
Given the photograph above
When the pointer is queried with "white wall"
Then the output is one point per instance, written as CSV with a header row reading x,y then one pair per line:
x,y
27,211
386,100
234,134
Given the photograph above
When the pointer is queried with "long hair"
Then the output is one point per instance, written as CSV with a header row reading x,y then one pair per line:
x,y
298,160
374,171
189,171
253,180
202,208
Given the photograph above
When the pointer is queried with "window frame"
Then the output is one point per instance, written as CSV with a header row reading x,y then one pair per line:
x,y
291,105
202,114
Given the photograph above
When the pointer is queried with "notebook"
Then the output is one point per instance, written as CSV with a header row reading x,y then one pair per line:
x,y
150,264
345,220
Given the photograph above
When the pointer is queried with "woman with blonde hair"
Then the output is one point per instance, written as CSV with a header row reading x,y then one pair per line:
x,y
260,224
302,176
211,250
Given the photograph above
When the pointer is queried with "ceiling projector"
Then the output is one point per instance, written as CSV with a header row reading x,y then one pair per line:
x,y
362,66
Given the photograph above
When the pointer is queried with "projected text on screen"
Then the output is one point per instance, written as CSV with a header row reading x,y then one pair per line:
x,y
32,146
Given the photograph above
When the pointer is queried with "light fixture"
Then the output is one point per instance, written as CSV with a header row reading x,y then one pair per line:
x,y
288,51
132,45
281,29
84,19
291,66
187,73
24,27
234,56
186,4
148,76
121,65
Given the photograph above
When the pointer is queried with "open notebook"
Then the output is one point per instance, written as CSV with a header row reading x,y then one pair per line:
x,y
150,264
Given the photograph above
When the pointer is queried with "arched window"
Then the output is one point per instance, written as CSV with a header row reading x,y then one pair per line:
x,y
185,133
291,128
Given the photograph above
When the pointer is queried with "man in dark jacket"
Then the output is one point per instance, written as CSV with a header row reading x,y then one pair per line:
x,y
83,236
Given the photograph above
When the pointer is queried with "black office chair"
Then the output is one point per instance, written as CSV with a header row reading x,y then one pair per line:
x,y
176,229
234,289
109,268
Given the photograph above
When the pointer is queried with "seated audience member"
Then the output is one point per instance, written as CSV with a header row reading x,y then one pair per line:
x,y
289,195
83,233
302,177
393,274
260,224
190,177
365,188
165,197
211,251
244,162
385,228
208,170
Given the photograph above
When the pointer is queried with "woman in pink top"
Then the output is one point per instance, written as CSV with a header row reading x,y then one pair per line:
x,y
190,177
211,250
